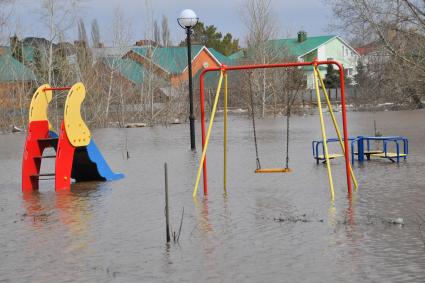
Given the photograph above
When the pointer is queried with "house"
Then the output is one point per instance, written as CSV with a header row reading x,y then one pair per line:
x,y
124,69
304,48
170,63
15,79
373,53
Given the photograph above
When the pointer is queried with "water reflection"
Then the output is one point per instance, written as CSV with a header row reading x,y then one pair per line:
x,y
70,208
349,213
332,215
202,216
36,208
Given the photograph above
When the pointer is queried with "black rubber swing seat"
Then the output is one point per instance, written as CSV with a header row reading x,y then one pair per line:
x,y
273,170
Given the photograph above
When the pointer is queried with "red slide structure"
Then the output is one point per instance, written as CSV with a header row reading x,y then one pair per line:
x,y
77,157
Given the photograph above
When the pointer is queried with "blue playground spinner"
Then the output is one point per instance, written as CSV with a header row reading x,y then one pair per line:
x,y
381,148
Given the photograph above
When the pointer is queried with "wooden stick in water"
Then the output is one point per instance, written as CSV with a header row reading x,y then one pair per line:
x,y
167,222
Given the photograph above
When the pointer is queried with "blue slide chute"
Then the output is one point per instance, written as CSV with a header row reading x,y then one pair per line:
x,y
89,165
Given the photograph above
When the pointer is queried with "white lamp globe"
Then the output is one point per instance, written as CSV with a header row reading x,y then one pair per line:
x,y
188,18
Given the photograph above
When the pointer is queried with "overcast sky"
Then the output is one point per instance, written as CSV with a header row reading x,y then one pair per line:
x,y
292,16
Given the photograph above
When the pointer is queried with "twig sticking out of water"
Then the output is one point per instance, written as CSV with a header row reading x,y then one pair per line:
x,y
376,132
126,147
420,224
176,236
294,219
376,220
181,224
167,222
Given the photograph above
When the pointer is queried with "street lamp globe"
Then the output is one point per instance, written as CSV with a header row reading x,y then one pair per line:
x,y
187,19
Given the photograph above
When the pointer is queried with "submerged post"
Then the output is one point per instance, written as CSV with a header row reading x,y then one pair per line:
x,y
167,221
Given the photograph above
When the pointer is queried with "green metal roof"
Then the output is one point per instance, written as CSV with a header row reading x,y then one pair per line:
x,y
223,59
27,52
296,48
11,70
291,46
171,59
127,68
210,79
237,55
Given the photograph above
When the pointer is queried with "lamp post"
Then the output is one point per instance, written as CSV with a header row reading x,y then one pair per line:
x,y
188,20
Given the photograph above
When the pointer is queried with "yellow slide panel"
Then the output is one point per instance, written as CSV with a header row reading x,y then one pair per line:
x,y
76,129
39,104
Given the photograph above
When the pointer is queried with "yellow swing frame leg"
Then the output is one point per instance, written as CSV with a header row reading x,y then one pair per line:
x,y
204,151
322,125
335,123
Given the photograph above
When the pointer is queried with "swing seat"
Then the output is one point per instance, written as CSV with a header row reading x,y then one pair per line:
x,y
273,170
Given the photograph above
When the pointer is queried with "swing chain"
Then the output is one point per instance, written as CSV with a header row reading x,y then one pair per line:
x,y
288,115
253,121
289,102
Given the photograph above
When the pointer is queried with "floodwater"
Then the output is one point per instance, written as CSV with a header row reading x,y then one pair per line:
x,y
115,231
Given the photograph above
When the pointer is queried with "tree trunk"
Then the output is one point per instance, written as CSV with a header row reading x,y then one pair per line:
x,y
417,101
108,99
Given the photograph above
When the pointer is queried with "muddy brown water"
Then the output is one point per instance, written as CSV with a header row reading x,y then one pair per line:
x,y
115,231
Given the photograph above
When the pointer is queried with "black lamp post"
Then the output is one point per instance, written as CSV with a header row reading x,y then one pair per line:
x,y
188,20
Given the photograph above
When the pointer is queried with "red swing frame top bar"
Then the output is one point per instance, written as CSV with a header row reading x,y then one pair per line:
x,y
57,88
225,68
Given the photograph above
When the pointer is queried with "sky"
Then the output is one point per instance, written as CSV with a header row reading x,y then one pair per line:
x,y
291,16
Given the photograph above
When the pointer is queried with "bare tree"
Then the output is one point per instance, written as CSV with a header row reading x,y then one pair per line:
x,y
121,37
156,33
5,14
396,29
95,34
82,34
148,84
259,19
59,16
165,32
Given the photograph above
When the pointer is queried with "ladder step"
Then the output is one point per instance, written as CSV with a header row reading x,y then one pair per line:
x,y
52,142
45,156
43,175
48,139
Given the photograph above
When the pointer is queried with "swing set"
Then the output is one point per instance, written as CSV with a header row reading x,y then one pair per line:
x,y
343,140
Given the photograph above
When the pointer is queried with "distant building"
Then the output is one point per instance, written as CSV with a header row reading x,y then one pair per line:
x,y
373,53
15,78
170,63
305,48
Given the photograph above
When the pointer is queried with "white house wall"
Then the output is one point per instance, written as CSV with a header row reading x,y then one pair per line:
x,y
321,53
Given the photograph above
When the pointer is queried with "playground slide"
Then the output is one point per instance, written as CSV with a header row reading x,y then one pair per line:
x,y
76,155
89,165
